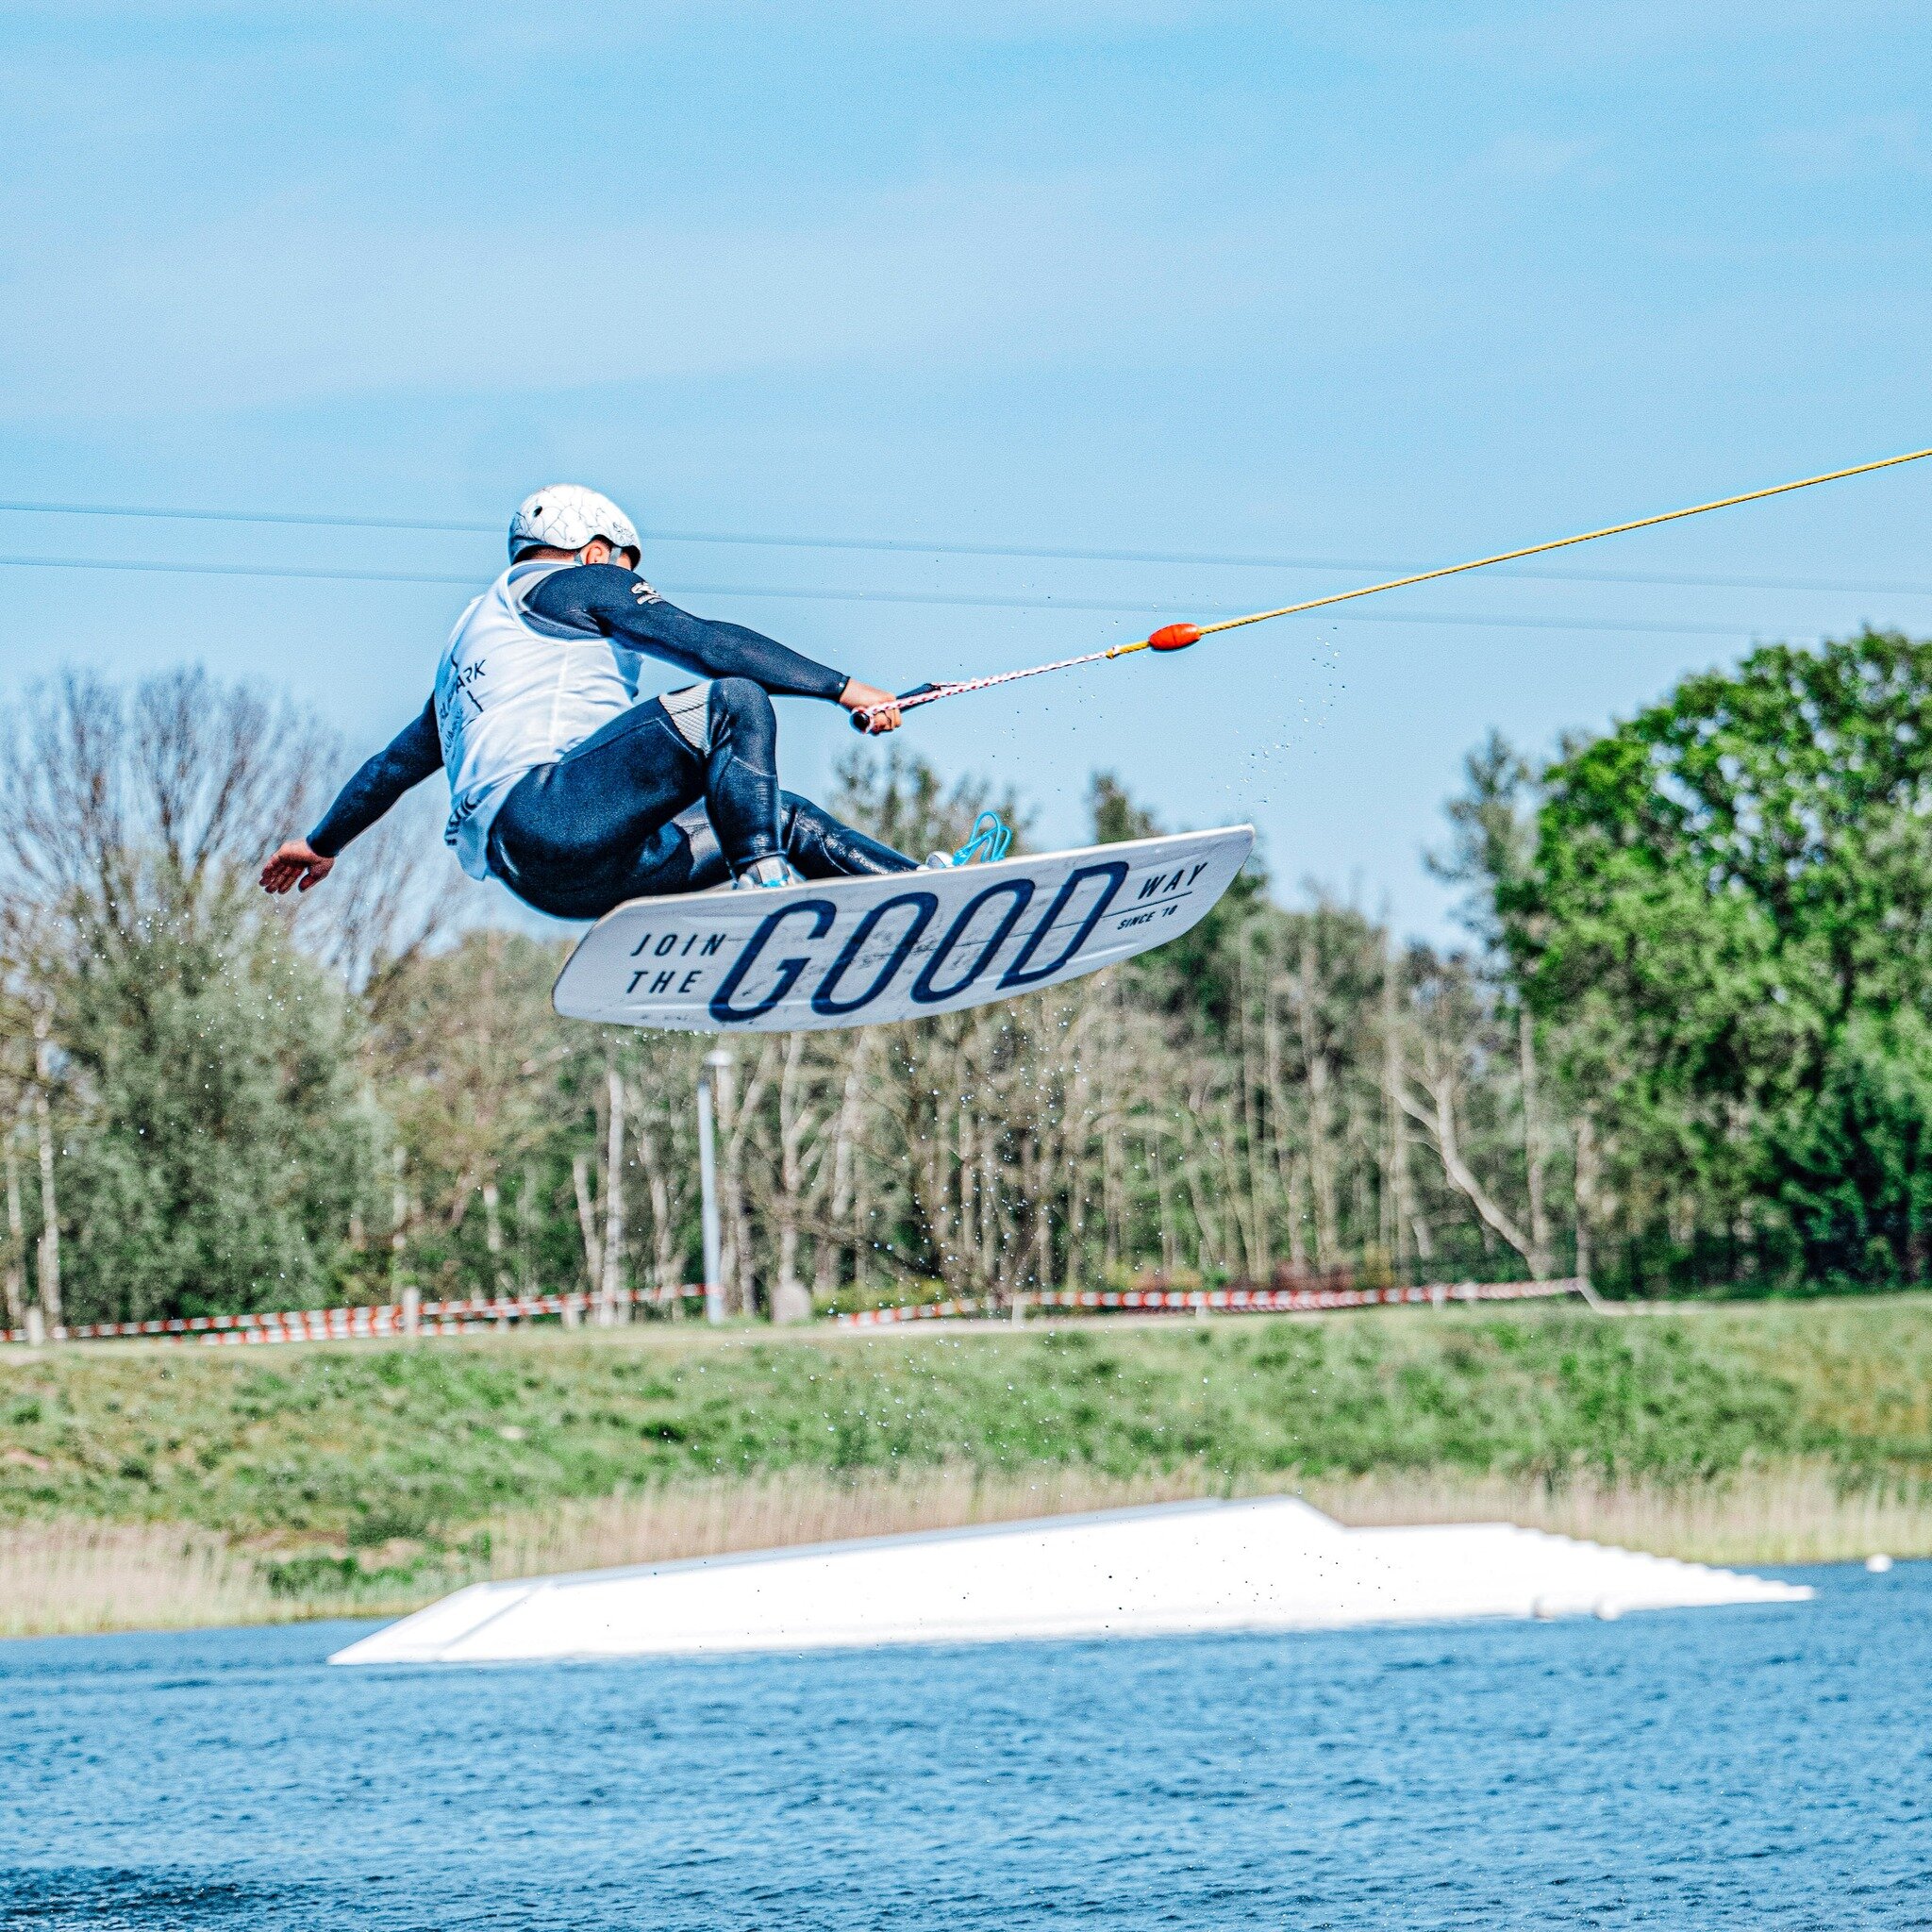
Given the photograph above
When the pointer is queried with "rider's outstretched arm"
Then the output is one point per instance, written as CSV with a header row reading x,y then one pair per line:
x,y
608,598
414,754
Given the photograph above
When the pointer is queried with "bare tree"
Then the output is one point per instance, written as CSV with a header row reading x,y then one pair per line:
x,y
1533,1156
16,1242
47,1256
587,1219
611,1282
158,796
856,1052
791,1302
1402,1226
1448,1044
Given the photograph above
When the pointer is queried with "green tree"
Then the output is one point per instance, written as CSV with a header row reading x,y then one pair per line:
x,y
1491,834
201,1070
1854,1168
1728,894
216,1138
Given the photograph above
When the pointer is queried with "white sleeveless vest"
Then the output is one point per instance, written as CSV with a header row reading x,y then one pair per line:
x,y
511,697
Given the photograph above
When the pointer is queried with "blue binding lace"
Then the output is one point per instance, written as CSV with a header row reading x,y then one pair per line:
x,y
989,844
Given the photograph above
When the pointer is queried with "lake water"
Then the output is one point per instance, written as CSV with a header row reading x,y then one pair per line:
x,y
1764,1767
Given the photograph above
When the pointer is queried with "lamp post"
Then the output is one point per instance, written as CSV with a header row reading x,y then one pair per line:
x,y
717,1070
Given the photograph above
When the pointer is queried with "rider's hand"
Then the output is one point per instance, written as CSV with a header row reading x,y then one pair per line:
x,y
883,706
297,864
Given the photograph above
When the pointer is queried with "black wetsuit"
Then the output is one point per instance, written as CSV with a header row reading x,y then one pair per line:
x,y
638,808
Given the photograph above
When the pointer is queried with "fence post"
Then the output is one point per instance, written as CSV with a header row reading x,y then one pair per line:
x,y
412,1309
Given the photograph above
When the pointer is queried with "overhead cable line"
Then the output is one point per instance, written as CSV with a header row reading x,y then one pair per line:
x,y
1179,637
912,546
176,567
989,601
319,519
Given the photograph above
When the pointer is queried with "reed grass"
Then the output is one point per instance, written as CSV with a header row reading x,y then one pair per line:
x,y
73,1578
1797,1512
1790,1513
798,1506
70,1577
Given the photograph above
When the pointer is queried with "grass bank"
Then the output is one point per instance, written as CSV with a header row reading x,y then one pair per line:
x,y
201,1484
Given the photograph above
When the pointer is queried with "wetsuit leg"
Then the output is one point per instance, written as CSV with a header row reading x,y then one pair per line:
x,y
570,838
741,770
824,848
637,811
685,856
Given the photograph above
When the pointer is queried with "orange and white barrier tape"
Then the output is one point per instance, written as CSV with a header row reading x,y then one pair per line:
x,y
1229,1301
478,1314
458,1317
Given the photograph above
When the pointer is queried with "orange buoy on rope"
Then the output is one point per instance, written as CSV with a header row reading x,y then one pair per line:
x,y
1174,637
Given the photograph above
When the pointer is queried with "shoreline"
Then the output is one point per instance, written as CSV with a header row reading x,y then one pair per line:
x,y
155,1486
77,1576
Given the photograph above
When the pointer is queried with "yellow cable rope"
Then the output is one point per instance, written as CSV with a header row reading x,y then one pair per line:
x,y
1450,570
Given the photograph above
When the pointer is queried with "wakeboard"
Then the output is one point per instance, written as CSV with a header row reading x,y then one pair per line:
x,y
861,952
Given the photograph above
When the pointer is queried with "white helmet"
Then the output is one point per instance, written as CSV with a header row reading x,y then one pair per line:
x,y
566,516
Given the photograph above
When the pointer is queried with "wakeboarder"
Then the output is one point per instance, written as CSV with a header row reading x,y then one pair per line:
x,y
573,781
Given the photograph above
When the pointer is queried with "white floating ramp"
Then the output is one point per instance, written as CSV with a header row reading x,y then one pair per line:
x,y
1270,1564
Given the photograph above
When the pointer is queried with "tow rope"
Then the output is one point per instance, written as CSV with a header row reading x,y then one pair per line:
x,y
1177,636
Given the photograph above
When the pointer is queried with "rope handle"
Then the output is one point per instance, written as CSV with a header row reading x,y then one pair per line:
x,y
1172,637
907,701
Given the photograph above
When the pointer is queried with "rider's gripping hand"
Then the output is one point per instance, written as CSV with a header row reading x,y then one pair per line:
x,y
882,707
296,864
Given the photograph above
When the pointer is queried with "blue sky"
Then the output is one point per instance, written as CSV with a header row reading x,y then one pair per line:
x,y
1364,284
